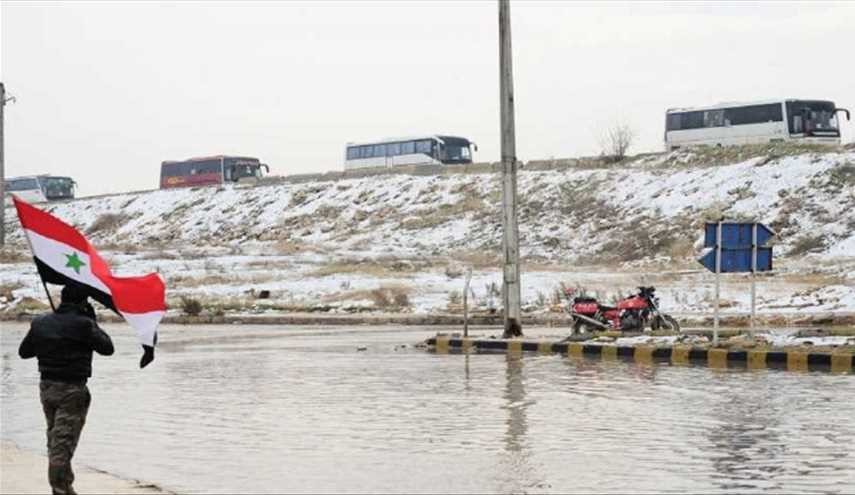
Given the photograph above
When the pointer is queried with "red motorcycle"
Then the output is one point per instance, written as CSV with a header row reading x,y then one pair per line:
x,y
631,314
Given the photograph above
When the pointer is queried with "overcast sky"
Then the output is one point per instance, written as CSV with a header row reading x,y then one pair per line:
x,y
106,91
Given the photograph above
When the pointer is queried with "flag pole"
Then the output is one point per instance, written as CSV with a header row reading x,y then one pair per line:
x,y
50,299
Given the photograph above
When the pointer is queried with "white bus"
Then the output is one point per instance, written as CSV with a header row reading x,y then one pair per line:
x,y
812,121
420,150
40,188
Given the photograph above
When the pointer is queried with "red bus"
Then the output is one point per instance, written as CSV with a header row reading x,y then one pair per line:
x,y
210,170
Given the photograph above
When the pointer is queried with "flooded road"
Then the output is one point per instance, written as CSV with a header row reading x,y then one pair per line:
x,y
264,409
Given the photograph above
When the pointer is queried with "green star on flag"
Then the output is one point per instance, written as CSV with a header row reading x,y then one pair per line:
x,y
74,262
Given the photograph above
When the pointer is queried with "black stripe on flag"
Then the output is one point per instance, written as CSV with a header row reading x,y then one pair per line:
x,y
51,276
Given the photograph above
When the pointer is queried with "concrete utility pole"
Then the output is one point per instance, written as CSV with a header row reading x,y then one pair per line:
x,y
510,237
2,169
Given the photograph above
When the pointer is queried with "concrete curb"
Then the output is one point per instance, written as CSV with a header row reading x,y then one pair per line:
x,y
837,362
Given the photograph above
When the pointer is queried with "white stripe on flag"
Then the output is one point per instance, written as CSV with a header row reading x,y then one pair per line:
x,y
145,324
55,255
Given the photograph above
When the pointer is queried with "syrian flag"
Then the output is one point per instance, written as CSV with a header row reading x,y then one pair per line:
x,y
63,256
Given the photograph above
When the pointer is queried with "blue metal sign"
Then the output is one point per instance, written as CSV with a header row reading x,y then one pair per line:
x,y
736,247
736,235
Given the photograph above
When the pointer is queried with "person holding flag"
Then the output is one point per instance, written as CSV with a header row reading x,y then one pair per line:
x,y
64,340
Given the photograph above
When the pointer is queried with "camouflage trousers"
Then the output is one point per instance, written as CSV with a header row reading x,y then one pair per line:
x,y
65,406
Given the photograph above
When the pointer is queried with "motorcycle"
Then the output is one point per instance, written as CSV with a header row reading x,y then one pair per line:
x,y
631,314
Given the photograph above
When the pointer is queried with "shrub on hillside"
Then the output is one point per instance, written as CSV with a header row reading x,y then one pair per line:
x,y
390,297
106,222
806,244
190,306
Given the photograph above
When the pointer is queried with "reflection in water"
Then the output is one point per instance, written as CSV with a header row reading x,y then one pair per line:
x,y
748,446
518,473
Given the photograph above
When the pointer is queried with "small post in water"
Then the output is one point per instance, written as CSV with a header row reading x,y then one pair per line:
x,y
466,302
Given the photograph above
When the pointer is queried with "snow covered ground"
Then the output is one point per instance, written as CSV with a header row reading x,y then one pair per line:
x,y
402,243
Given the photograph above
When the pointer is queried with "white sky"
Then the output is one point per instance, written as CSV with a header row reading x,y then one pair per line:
x,y
106,91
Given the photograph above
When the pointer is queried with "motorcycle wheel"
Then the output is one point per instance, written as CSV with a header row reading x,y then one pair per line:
x,y
580,327
666,322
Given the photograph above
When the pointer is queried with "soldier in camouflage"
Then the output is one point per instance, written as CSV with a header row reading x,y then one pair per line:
x,y
63,342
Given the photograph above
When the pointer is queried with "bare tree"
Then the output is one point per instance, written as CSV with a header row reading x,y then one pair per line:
x,y
616,140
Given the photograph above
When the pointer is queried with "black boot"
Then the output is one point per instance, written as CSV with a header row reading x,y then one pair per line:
x,y
57,478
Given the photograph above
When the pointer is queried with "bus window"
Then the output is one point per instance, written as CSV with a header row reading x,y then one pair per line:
x,y
456,153
673,122
714,118
424,147
692,120
21,185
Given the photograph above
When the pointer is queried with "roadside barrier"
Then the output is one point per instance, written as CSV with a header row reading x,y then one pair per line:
x,y
792,360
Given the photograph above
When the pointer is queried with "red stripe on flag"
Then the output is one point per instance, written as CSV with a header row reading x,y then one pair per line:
x,y
132,295
137,295
49,226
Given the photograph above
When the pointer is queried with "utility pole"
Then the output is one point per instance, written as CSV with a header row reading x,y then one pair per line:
x,y
3,101
510,236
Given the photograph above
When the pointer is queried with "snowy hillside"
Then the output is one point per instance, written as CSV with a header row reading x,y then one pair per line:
x,y
333,238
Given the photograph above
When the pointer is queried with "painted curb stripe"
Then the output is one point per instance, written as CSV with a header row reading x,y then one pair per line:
x,y
644,354
737,357
592,350
841,362
797,361
717,358
544,347
680,355
609,352
662,353
815,361
515,347
530,346
756,360
574,349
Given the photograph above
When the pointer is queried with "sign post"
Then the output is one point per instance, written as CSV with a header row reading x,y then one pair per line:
x,y
753,277
717,281
736,248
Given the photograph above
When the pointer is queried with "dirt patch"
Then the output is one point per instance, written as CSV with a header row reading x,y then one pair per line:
x,y
384,268
386,297
8,255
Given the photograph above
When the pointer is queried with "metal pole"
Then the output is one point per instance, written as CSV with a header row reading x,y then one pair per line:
x,y
753,277
2,170
510,237
717,281
49,298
